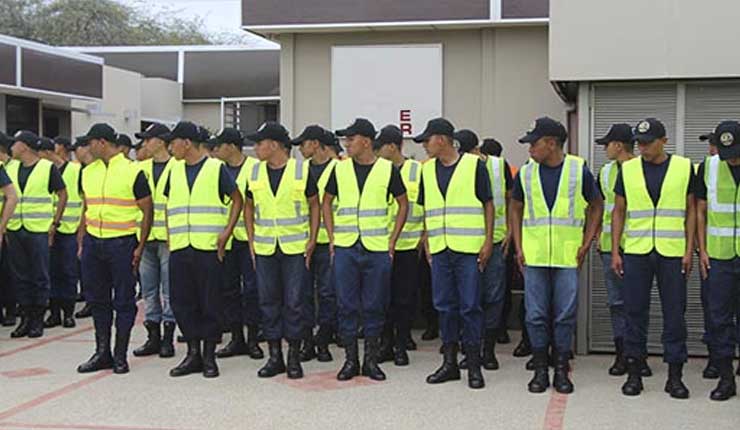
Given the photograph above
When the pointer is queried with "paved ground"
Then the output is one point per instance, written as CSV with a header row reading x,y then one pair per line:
x,y
39,389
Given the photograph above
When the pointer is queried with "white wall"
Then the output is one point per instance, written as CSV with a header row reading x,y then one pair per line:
x,y
161,100
205,114
121,105
3,112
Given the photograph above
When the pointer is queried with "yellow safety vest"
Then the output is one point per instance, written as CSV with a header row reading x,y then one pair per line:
x,y
414,226
35,209
723,205
551,238
240,230
72,214
660,227
111,208
362,215
195,218
280,218
323,236
159,224
497,173
608,177
456,220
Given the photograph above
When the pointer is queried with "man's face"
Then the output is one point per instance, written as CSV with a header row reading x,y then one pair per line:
x,y
18,149
46,154
734,161
387,151
142,153
265,148
309,148
219,151
433,145
713,150
83,154
61,151
355,145
541,149
653,148
178,148
612,149
152,144
97,148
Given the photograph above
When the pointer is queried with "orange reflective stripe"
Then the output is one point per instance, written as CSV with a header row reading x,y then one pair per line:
x,y
110,201
110,225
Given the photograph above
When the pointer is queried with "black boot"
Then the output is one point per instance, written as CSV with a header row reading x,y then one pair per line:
x,y
85,312
387,340
410,344
449,371
726,387
370,366
295,371
322,344
253,347
674,385
102,359
464,361
210,368
619,368
22,329
237,345
524,348
68,309
167,345
55,314
529,365
275,364
645,370
541,379
351,366
120,350
192,363
432,330
561,381
711,371
10,316
475,376
308,351
503,337
36,321
153,340
400,356
490,362
633,385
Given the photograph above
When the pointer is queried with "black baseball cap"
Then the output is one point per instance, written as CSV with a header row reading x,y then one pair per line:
x,y
203,134
727,138
183,130
28,137
328,139
272,131
361,127
80,142
5,141
124,140
708,137
228,135
101,131
618,132
648,130
436,126
389,134
491,146
154,130
45,144
312,132
468,140
545,127
63,141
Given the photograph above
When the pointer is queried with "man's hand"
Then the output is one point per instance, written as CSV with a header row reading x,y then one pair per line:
x,y
138,251
221,245
686,264
52,232
392,248
253,254
310,248
505,244
331,252
704,264
581,256
520,261
617,265
484,255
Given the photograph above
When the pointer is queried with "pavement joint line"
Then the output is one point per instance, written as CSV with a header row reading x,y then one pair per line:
x,y
78,426
45,341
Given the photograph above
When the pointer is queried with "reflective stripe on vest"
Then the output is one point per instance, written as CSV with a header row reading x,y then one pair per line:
x,y
608,178
414,226
72,214
111,208
323,236
551,238
457,219
497,175
159,226
660,227
35,209
723,204
240,230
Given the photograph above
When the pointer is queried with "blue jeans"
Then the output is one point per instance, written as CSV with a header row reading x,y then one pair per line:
x,y
363,289
64,267
241,297
723,300
639,271
614,287
29,266
551,295
320,282
280,279
493,288
456,290
154,277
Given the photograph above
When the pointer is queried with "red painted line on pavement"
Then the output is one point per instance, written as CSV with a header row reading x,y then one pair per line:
x,y
45,341
79,426
24,373
555,415
324,381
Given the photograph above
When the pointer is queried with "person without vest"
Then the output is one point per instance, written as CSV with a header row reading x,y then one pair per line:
x,y
81,149
116,195
654,211
282,216
362,243
8,202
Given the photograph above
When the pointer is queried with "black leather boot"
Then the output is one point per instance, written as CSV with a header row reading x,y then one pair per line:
x,y
449,371
490,362
36,321
432,330
503,337
85,312
237,346
120,350
253,347
22,329
323,336
400,356
275,364
475,376
524,348
540,382
10,316
167,345
102,359
55,314
210,368
633,385
674,385
387,340
351,366
370,366
464,361
307,351
711,371
645,370
561,380
295,371
192,363
68,317
619,368
726,387
153,340
410,344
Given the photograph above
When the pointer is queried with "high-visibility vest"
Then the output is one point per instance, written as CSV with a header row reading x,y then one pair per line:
x,y
323,236
197,216
280,218
496,172
240,230
362,215
159,200
111,207
723,205
72,214
660,227
35,209
608,177
457,219
414,226
551,238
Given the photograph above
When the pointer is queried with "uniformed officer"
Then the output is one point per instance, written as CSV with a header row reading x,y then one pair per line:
x,y
314,144
154,275
405,269
718,203
32,228
282,216
556,212
459,218
241,298
64,270
655,211
203,207
362,243
8,202
114,192
81,150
